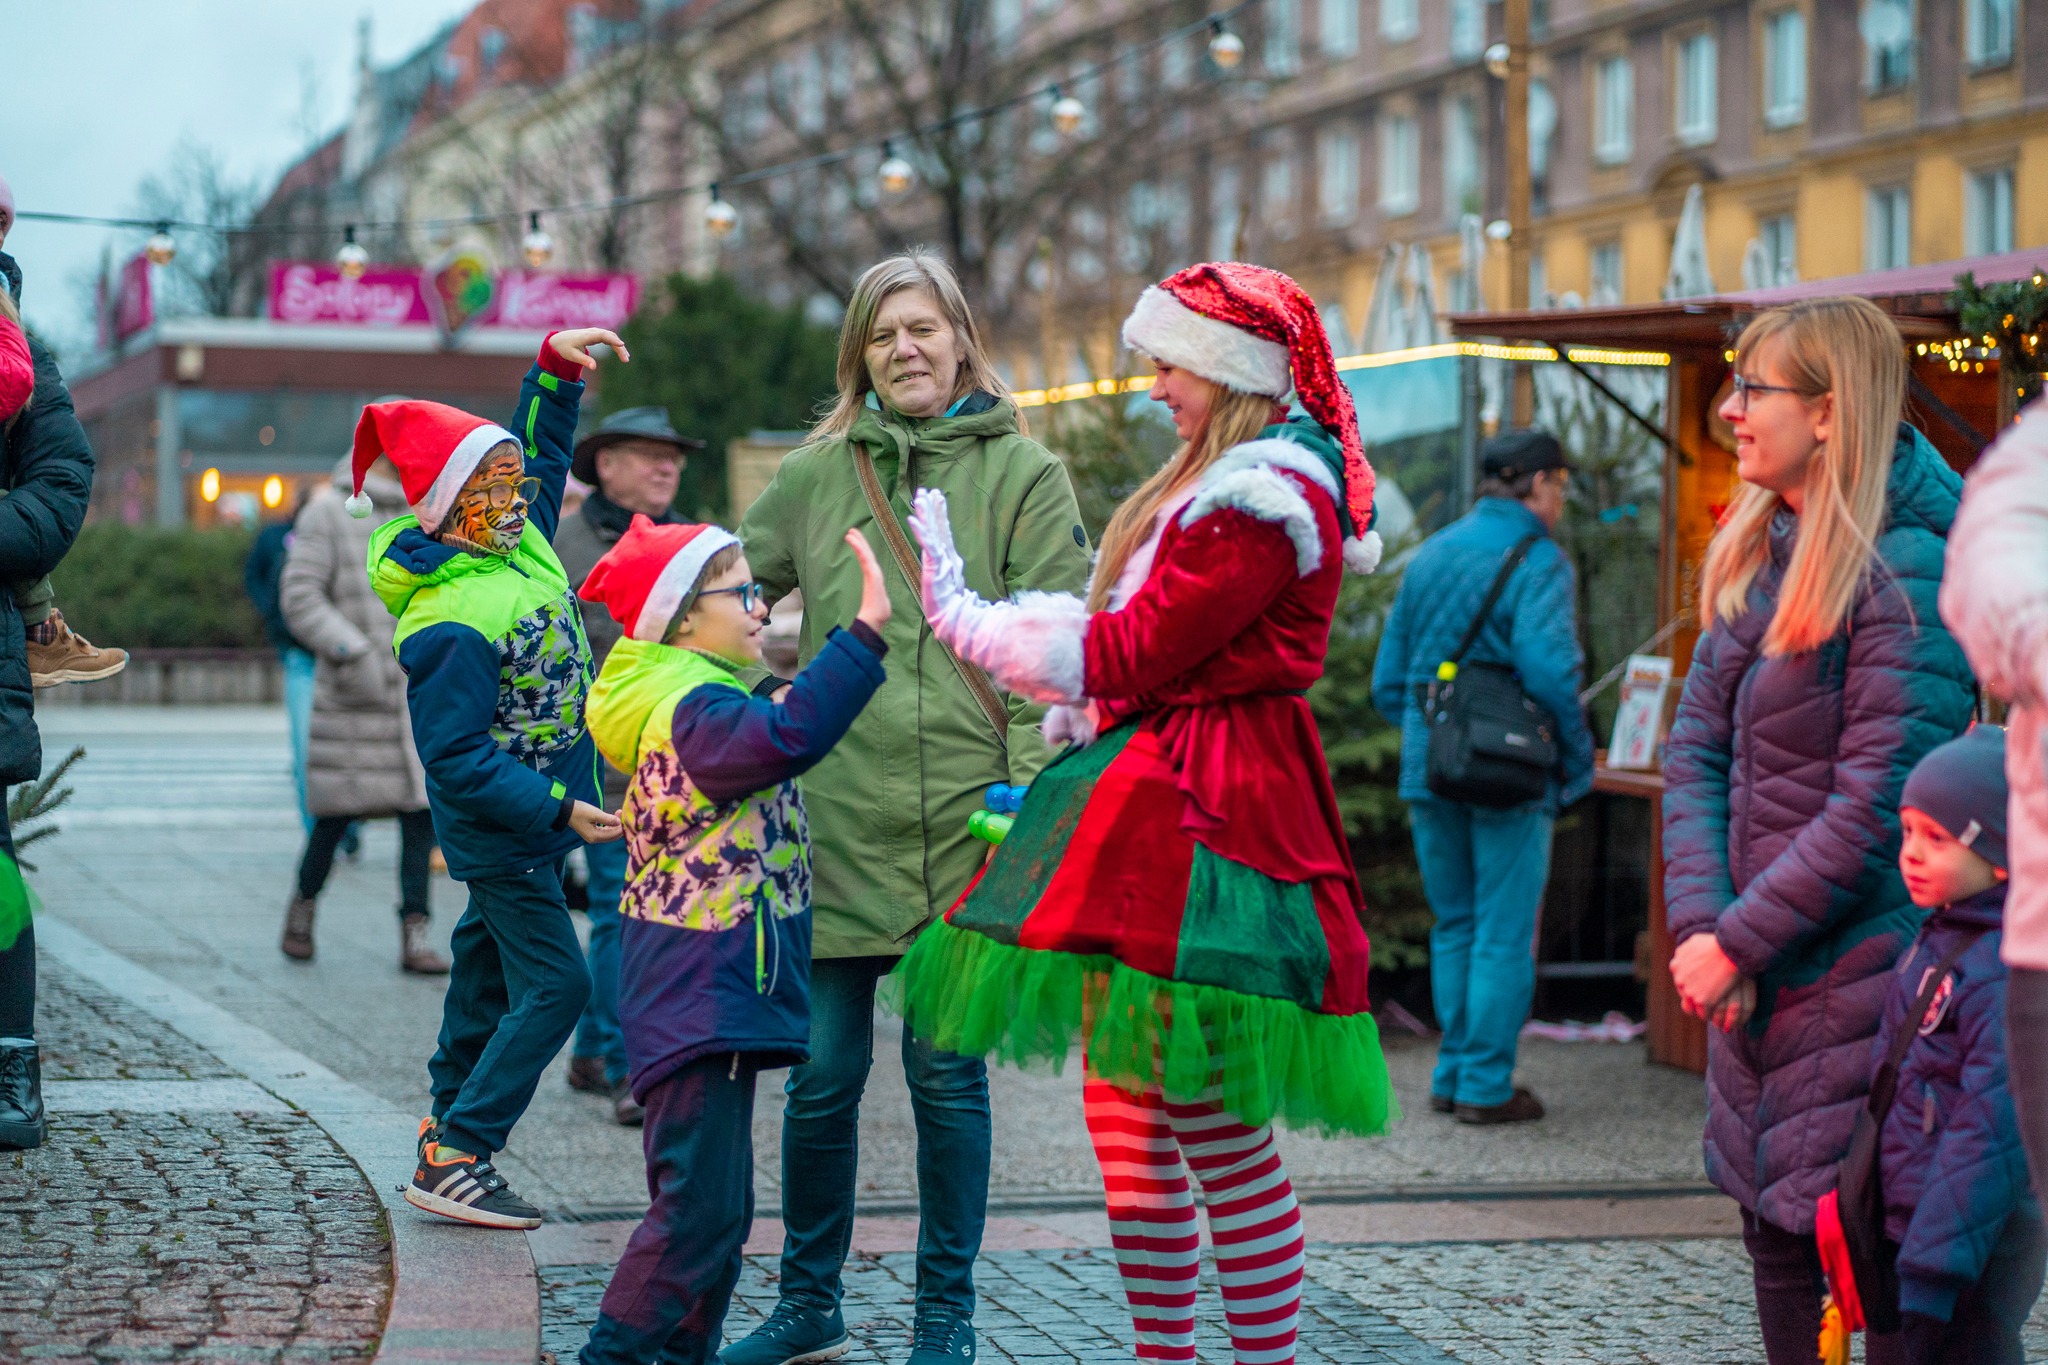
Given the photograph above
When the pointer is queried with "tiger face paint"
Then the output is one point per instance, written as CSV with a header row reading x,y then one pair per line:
x,y
489,514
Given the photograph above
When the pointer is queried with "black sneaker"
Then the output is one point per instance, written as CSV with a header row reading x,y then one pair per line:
x,y
793,1335
22,1121
464,1188
941,1336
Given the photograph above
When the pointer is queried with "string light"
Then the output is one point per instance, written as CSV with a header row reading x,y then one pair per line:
x,y
160,249
1226,49
896,174
1067,113
536,246
209,485
351,259
720,218
273,491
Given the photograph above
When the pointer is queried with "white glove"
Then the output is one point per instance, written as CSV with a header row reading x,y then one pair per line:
x,y
1030,644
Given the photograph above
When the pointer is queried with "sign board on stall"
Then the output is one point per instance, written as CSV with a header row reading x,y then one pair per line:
x,y
398,296
1639,720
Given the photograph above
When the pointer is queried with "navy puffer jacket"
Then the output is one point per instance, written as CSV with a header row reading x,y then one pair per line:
x,y
1781,838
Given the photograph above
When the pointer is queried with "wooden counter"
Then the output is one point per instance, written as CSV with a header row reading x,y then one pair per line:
x,y
1676,1038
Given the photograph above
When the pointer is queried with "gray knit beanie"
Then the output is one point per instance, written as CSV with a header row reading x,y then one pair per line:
x,y
1962,785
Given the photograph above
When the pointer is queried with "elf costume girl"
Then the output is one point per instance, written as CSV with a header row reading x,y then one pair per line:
x,y
1177,890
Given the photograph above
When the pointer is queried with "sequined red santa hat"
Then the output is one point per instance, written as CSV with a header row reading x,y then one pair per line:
x,y
644,578
1255,330
435,448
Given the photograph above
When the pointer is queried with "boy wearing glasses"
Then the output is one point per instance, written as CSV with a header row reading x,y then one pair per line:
x,y
715,930
497,669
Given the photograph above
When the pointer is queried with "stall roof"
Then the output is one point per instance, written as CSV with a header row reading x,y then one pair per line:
x,y
1916,296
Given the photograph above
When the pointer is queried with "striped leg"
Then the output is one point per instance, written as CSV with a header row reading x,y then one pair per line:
x,y
1255,1225
1151,1216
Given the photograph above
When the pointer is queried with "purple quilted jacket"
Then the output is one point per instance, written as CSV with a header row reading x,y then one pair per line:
x,y
1781,838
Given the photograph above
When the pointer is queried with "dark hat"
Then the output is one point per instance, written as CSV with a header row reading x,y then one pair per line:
x,y
1512,454
627,424
1961,784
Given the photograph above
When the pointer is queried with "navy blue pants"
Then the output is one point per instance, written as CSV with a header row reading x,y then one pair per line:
x,y
667,1300
514,994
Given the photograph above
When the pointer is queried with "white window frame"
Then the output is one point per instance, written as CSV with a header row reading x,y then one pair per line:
x,y
1988,31
1400,20
1468,29
1779,233
1876,59
1400,169
1785,68
1282,51
1887,227
1279,198
1988,211
1461,154
1337,158
1614,109
1607,281
1696,110
1337,27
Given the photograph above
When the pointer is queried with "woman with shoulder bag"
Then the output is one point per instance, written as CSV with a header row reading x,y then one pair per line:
x,y
1823,675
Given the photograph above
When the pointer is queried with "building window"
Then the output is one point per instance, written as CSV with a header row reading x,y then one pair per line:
x,y
1888,228
1780,240
1987,221
1276,190
1614,110
1539,280
1785,68
1176,65
1468,29
1606,274
1398,20
1461,157
1400,165
1337,174
1283,37
1226,208
1887,43
1988,34
1337,27
1698,110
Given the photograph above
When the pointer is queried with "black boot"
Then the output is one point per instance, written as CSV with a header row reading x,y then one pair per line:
x,y
22,1123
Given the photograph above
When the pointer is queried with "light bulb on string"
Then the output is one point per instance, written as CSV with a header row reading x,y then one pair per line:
x,y
720,218
351,259
160,249
1067,113
1496,59
1226,49
896,174
536,245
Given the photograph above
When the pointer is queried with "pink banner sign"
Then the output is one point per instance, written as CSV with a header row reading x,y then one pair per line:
x,y
395,296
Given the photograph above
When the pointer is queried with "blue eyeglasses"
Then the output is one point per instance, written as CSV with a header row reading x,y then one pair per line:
x,y
748,593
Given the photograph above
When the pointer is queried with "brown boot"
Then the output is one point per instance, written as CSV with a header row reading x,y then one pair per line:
x,y
1520,1107
626,1110
69,656
415,954
587,1074
298,928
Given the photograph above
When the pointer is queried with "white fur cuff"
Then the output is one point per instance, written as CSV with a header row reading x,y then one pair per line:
x,y
1166,329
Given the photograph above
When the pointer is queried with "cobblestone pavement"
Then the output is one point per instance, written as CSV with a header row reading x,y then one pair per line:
x,y
149,1230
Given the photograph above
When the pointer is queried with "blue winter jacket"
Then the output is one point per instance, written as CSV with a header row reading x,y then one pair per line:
x,y
1781,838
1954,1170
1530,630
497,667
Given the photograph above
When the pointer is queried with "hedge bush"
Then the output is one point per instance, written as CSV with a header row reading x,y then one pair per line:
x,y
142,587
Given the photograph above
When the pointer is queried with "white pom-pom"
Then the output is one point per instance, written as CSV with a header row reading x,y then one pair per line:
x,y
359,505
1362,554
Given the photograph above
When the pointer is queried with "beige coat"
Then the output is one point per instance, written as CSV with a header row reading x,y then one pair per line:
x,y
360,760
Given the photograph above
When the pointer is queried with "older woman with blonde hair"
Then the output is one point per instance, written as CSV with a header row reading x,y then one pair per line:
x,y
920,406
1822,676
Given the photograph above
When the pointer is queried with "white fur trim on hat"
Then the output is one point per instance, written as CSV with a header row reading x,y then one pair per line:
x,y
1169,331
462,461
675,580
358,505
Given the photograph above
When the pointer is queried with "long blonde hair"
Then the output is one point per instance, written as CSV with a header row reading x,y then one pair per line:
x,y
1233,419
917,268
1847,347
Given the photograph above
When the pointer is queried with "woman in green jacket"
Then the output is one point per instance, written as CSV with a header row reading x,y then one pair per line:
x,y
920,405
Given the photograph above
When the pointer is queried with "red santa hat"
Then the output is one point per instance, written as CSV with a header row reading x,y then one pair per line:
x,y
435,447
644,577
1254,330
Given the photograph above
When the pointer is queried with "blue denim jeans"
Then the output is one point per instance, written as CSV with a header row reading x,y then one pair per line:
x,y
597,1032
1483,871
298,713
821,1146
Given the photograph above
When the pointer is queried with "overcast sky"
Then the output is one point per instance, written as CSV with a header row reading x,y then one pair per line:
x,y
98,94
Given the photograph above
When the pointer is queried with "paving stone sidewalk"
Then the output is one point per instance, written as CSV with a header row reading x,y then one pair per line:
x,y
159,1224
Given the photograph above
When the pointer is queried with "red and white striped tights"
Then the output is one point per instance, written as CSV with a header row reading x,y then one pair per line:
x,y
1146,1147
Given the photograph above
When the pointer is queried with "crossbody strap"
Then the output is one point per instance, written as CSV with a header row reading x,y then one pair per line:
x,y
1500,582
893,536
1887,1081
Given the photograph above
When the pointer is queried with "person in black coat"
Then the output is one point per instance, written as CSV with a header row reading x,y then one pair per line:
x,y
46,465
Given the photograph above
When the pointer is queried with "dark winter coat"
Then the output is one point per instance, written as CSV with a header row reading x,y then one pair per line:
x,y
46,468
1781,838
1954,1169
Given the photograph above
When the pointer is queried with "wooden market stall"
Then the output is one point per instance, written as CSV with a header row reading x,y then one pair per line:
x,y
1954,398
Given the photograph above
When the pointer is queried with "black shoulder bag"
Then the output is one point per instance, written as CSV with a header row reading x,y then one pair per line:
x,y
1859,1187
1489,744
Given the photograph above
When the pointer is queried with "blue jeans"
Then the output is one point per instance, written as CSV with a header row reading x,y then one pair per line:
x,y
298,713
821,1146
1483,871
597,1032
